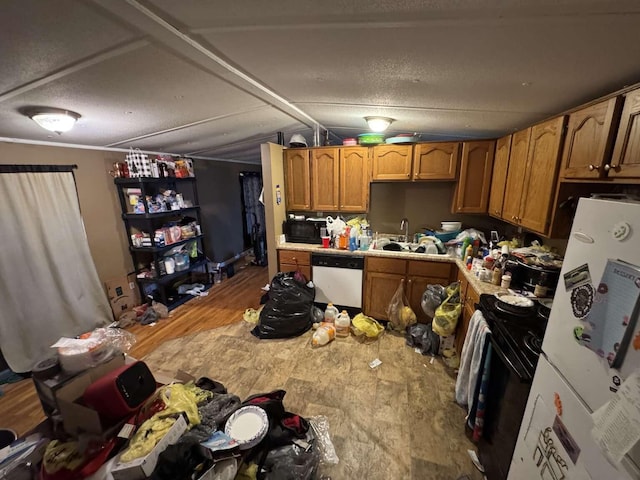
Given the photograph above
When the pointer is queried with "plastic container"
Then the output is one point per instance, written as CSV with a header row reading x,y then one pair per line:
x,y
343,324
350,142
181,261
506,281
330,314
323,335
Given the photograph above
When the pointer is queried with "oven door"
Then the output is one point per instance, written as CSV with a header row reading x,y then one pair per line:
x,y
508,390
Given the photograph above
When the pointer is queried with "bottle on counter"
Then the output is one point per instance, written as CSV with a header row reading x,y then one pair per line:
x,y
541,288
343,324
506,281
496,276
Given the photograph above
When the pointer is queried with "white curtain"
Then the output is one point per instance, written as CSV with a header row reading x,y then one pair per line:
x,y
49,286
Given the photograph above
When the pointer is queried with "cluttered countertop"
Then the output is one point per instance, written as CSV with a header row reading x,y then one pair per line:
x,y
478,285
489,267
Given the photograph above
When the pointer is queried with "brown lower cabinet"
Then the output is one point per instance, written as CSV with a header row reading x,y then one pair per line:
x,y
292,260
469,297
384,275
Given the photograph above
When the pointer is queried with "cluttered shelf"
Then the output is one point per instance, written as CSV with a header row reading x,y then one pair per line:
x,y
152,180
166,213
165,279
165,247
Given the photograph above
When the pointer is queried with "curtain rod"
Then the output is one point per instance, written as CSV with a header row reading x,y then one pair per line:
x,y
36,168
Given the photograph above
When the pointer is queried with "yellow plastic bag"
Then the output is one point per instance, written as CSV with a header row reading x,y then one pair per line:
x,y
399,312
447,314
365,328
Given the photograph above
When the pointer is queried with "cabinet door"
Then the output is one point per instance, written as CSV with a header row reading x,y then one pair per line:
x,y
392,162
472,191
291,267
499,177
541,176
354,179
379,289
515,175
298,185
589,141
324,179
435,161
626,153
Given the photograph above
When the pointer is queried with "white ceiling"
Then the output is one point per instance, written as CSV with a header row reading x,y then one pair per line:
x,y
214,79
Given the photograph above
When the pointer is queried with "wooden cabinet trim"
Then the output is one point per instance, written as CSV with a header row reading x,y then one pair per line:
x,y
429,269
294,257
386,265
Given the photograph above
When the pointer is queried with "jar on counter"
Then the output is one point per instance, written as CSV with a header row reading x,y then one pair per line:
x,y
506,281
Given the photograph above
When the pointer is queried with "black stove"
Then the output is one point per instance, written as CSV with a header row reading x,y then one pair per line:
x,y
519,335
516,341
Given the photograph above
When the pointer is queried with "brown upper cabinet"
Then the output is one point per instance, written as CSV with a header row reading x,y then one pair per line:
x,y
589,141
625,162
354,179
515,177
435,161
499,177
329,179
392,162
472,190
325,172
532,175
297,186
541,175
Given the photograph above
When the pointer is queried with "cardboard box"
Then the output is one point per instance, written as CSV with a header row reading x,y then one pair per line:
x,y
142,467
76,417
123,294
48,389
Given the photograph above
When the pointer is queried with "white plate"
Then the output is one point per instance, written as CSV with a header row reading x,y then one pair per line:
x,y
248,426
514,300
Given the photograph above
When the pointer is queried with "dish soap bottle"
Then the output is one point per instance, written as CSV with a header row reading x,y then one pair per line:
x,y
343,324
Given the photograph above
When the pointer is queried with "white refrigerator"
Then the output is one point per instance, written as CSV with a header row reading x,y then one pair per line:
x,y
591,346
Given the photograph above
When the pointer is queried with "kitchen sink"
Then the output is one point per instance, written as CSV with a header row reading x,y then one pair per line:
x,y
402,247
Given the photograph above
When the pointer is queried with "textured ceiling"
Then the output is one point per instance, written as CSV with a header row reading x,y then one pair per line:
x,y
215,79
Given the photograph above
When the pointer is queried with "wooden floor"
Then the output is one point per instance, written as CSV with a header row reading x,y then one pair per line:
x,y
20,408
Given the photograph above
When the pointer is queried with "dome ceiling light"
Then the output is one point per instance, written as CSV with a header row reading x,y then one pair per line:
x,y
54,119
379,124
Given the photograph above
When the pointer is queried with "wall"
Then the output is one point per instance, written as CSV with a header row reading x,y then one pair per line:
x,y
272,175
218,188
219,194
424,204
98,199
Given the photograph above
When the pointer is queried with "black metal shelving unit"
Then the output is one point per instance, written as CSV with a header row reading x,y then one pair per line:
x,y
162,287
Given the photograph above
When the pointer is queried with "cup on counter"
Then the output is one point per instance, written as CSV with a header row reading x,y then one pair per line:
x,y
325,242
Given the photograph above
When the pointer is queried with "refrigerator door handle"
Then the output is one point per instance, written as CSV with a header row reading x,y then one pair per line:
x,y
508,362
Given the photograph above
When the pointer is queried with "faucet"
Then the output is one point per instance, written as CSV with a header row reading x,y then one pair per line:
x,y
404,224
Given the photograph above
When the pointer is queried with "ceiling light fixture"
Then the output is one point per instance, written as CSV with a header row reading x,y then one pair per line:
x,y
379,124
55,119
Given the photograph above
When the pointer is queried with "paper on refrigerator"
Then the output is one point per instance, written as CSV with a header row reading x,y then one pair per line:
x,y
617,423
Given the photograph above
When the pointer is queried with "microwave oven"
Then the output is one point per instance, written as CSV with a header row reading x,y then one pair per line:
x,y
305,231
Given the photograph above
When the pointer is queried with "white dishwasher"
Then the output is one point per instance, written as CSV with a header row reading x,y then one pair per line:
x,y
338,279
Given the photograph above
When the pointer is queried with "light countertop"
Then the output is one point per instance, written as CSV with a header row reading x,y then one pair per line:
x,y
478,286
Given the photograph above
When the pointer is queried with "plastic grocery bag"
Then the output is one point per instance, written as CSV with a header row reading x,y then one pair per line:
x,y
399,312
432,297
447,314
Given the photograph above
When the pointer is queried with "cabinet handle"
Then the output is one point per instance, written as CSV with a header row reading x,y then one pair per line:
x,y
513,217
408,175
608,167
593,167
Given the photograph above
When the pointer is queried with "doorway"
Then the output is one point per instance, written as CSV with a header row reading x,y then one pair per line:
x,y
253,225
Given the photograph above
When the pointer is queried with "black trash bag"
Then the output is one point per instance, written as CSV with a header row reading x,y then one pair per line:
x,y
287,312
422,337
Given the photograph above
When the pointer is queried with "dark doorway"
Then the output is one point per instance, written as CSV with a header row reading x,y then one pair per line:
x,y
253,226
